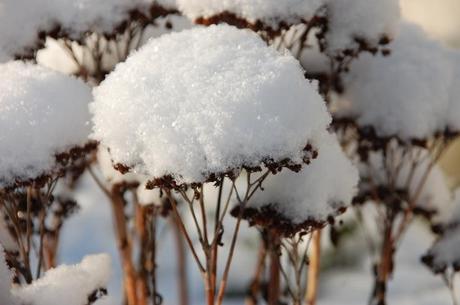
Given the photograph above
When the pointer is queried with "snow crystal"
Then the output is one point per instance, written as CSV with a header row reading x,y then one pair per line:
x,y
405,94
67,284
42,113
316,192
206,100
22,20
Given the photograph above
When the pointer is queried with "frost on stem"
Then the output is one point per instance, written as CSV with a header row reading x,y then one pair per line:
x,y
346,24
204,102
291,202
44,121
24,24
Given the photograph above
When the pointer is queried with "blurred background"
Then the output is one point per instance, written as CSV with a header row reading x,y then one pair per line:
x,y
441,19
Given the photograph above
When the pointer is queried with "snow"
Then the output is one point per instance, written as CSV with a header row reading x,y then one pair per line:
x,y
114,177
445,251
109,173
269,11
347,19
42,113
319,190
148,197
5,281
22,20
366,19
206,100
384,91
6,239
453,119
68,284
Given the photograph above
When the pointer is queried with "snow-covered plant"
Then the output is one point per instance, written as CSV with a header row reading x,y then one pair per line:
x,y
45,127
397,146
94,35
217,120
334,32
292,207
200,106
345,24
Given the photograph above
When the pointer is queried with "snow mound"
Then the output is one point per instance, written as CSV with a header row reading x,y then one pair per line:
x,y
68,284
42,113
318,191
406,94
204,101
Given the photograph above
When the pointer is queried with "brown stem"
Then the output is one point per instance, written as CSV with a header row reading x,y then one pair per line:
x,y
181,262
141,229
384,267
313,268
254,287
274,283
157,300
223,283
184,230
124,246
42,238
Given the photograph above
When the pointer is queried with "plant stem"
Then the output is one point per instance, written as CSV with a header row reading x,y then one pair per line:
x,y
313,268
124,246
274,283
181,263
